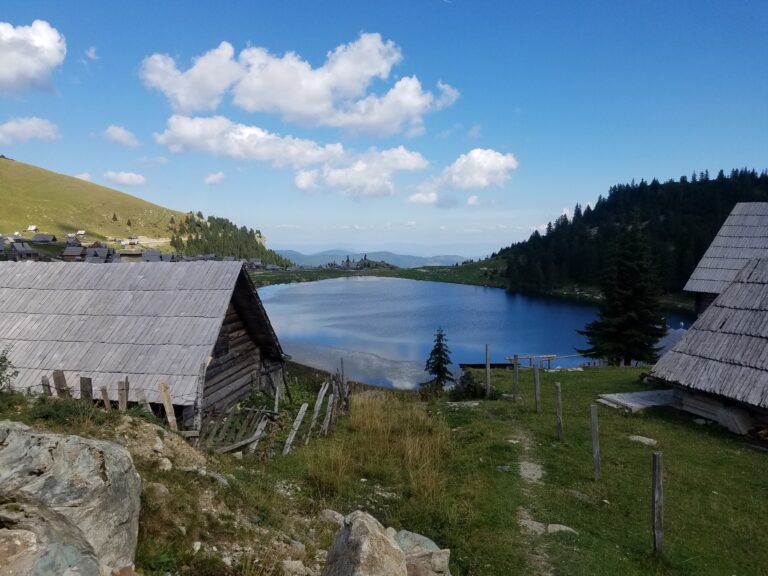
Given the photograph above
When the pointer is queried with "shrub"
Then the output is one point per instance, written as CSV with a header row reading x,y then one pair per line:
x,y
7,372
469,388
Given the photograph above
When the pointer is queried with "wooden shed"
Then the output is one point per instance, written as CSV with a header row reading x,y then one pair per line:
x,y
720,366
199,327
743,235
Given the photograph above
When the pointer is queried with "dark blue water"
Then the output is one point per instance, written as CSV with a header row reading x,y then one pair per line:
x,y
383,328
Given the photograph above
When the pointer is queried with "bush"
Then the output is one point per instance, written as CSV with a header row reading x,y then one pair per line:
x,y
469,388
7,372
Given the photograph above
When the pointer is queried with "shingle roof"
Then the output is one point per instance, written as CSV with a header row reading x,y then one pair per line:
x,y
743,236
153,322
725,352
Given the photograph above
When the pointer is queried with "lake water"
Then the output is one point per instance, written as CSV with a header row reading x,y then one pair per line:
x,y
383,328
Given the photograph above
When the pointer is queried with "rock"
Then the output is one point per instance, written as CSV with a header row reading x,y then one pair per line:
x,y
555,528
422,556
298,548
363,548
392,533
196,546
158,445
531,471
36,540
158,490
237,455
409,541
92,483
331,516
643,440
295,568
165,464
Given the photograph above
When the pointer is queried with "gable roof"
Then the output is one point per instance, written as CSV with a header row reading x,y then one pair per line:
x,y
725,352
152,322
743,235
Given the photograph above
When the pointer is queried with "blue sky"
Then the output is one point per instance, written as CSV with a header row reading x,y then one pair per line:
x,y
424,126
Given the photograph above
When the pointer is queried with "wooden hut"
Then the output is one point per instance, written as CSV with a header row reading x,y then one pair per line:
x,y
743,235
199,327
22,252
720,366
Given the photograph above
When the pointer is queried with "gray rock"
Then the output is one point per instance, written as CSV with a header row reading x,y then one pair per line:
x,y
643,440
36,540
422,556
363,548
409,541
331,516
165,464
295,568
92,483
555,528
298,548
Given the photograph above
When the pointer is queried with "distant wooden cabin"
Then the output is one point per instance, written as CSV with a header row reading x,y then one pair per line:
x,y
31,228
743,235
720,366
43,238
73,254
22,252
200,327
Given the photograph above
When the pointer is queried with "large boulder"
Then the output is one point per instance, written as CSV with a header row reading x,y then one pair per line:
x,y
92,483
422,556
363,548
35,540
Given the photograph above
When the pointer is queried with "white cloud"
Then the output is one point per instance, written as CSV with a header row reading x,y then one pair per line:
x,y
335,94
199,88
125,178
28,55
473,200
371,174
121,135
423,197
306,179
91,54
479,168
220,136
30,128
84,176
474,132
214,178
158,160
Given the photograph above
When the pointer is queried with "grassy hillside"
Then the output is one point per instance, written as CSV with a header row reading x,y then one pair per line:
x,y
58,204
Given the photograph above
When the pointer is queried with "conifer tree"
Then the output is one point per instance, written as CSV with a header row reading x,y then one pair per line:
x,y
629,322
438,364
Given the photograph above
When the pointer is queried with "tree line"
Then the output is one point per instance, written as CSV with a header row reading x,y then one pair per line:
x,y
196,236
679,219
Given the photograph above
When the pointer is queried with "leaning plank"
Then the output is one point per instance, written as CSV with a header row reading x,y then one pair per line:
x,y
143,400
60,383
86,388
316,410
224,425
257,436
46,385
252,439
328,415
105,399
295,428
165,395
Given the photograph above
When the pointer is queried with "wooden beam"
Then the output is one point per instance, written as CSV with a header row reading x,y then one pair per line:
x,y
257,436
328,415
295,428
316,410
165,395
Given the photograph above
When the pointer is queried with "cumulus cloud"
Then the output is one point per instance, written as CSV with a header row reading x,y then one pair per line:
x,y
479,168
84,176
214,178
125,178
306,179
29,54
199,88
121,135
335,94
423,197
371,174
220,136
91,54
30,128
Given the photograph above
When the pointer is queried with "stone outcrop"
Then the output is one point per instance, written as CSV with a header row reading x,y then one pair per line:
x,y
422,556
363,548
91,483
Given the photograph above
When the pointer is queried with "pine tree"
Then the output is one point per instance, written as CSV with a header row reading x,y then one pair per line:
x,y
629,322
438,364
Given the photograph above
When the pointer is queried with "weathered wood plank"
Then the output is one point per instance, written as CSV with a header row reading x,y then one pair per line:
x,y
46,384
316,410
295,428
86,388
328,415
257,436
165,395
122,395
60,383
105,399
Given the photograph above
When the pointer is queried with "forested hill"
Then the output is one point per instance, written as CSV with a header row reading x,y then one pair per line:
x,y
196,235
680,219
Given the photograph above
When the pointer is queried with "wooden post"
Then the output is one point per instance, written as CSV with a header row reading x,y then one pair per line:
x,y
487,371
516,378
658,507
295,428
105,399
165,395
316,410
257,436
122,395
86,388
197,422
595,442
46,385
143,400
60,383
277,398
537,389
559,411
328,415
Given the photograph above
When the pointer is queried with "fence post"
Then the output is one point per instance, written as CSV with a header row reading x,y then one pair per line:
x,y
559,411
487,371
46,385
105,399
328,415
316,410
142,397
658,507
86,388
516,378
295,428
537,388
595,442
60,383
122,395
165,395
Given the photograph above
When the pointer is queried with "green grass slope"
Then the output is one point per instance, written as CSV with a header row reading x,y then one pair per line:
x,y
58,204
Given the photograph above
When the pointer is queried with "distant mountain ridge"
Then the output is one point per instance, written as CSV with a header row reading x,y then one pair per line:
x,y
399,260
